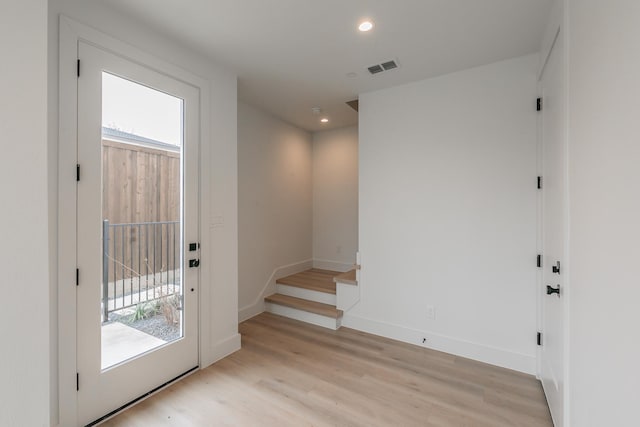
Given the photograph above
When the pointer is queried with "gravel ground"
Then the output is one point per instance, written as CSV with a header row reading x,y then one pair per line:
x,y
156,325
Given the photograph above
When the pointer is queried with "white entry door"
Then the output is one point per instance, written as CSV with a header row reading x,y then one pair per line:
x,y
137,250
554,211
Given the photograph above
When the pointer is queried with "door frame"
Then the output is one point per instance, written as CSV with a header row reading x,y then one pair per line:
x,y
71,33
557,27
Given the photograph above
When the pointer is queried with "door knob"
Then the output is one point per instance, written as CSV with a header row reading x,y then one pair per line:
x,y
551,290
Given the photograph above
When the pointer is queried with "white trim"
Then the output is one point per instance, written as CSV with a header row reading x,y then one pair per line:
x,y
347,295
67,157
491,355
308,294
303,316
327,264
222,349
71,32
257,306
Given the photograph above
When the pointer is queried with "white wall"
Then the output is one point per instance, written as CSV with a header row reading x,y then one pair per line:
x,y
24,317
274,204
604,192
448,213
219,227
335,198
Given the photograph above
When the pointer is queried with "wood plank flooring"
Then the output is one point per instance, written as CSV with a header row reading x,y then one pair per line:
x,y
293,374
314,279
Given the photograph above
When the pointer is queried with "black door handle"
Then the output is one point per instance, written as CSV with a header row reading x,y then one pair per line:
x,y
194,263
552,290
556,268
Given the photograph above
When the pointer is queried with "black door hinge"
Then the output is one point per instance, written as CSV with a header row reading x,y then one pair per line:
x,y
539,338
77,277
77,381
78,68
538,103
78,172
539,183
539,261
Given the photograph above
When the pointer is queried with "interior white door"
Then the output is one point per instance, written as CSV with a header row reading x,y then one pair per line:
x,y
554,230
137,209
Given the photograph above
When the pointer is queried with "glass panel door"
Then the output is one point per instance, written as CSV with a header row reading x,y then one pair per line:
x,y
137,212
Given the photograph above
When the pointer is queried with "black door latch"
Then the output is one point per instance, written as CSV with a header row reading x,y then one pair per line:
x,y
556,268
194,263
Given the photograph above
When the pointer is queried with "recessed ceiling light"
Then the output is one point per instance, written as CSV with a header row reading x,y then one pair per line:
x,y
324,120
365,26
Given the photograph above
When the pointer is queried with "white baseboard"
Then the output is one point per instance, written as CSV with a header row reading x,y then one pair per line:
x,y
252,310
257,306
222,349
327,264
491,355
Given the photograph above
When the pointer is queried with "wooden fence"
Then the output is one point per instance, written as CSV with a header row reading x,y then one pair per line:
x,y
140,185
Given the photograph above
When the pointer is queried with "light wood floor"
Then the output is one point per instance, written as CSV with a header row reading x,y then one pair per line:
x,y
293,374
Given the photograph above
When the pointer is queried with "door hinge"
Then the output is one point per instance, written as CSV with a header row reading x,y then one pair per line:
x,y
78,172
539,338
78,68
77,277
539,261
539,183
77,381
538,103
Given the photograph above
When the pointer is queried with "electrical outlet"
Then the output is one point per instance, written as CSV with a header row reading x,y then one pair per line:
x,y
431,312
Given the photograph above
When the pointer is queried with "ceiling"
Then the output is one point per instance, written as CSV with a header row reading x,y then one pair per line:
x,y
292,55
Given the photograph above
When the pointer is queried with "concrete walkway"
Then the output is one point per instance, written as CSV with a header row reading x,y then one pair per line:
x,y
121,342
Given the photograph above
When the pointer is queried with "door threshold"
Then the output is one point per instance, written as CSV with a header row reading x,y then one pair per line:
x,y
141,398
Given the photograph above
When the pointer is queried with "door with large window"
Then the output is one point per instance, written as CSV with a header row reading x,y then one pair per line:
x,y
137,210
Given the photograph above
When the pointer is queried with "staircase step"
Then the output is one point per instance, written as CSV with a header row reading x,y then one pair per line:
x,y
304,293
305,305
314,280
349,277
313,312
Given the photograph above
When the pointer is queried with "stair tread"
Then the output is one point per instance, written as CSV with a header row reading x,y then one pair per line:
x,y
349,277
314,279
305,305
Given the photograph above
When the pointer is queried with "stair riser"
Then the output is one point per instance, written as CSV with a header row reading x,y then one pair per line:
x,y
307,294
303,316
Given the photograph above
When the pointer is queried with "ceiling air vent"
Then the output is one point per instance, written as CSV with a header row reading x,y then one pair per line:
x,y
385,66
375,69
389,65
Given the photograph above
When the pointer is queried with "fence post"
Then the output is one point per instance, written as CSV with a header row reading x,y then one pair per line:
x,y
105,269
